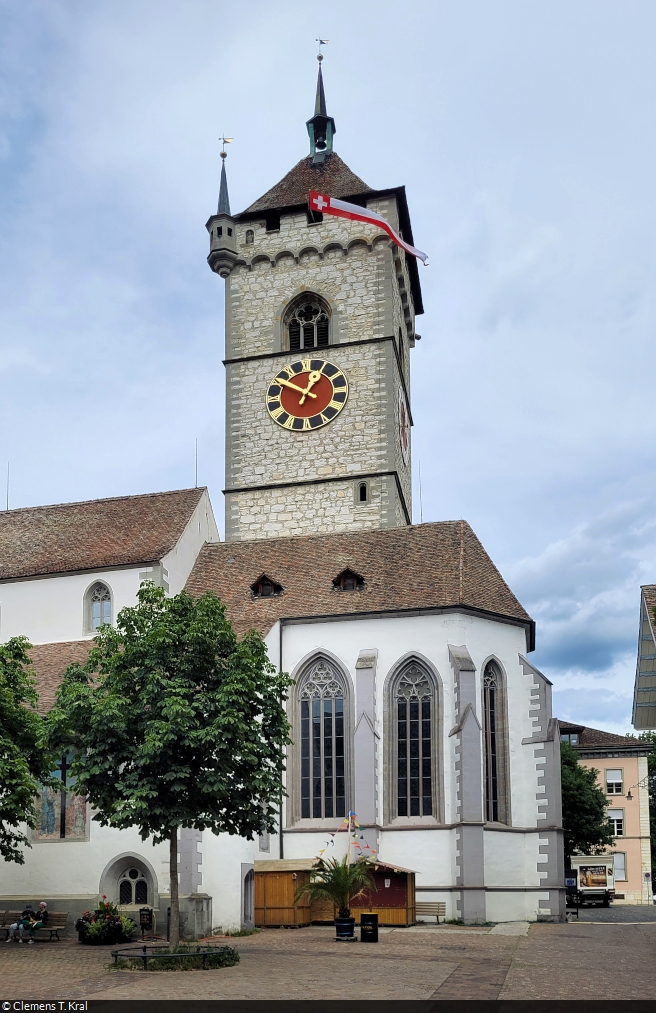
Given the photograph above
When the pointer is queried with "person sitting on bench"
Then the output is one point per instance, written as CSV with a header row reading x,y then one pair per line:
x,y
41,922
20,926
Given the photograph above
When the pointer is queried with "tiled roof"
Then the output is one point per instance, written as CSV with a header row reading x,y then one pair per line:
x,y
421,566
50,661
331,176
589,737
649,591
93,535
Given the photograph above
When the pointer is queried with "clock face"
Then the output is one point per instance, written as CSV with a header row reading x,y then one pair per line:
x,y
306,395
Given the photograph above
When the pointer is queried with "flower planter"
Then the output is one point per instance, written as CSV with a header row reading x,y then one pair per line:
x,y
344,929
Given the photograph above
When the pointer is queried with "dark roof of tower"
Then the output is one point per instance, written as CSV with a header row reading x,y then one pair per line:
x,y
94,534
331,176
320,100
423,566
224,199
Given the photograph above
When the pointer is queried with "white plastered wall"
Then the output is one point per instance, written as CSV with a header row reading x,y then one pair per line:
x,y
50,609
201,527
511,859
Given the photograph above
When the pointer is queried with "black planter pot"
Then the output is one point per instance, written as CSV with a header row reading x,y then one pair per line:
x,y
344,929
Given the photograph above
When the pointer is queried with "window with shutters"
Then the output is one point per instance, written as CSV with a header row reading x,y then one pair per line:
x,y
616,820
614,782
495,741
619,866
307,323
324,730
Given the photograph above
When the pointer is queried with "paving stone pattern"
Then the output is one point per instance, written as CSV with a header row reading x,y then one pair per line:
x,y
582,961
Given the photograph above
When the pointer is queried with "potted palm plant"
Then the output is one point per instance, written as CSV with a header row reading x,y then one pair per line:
x,y
339,882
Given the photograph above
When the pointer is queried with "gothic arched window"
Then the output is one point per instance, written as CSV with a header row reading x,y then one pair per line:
x,y
322,696
414,708
307,323
98,606
133,887
495,742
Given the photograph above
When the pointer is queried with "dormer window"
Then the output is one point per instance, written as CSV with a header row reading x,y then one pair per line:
x,y
265,587
348,580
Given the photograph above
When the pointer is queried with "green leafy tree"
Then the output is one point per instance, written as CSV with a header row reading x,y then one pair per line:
x,y
175,723
25,762
339,882
585,823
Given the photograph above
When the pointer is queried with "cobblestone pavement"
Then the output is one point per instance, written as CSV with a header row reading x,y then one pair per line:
x,y
619,913
598,961
583,961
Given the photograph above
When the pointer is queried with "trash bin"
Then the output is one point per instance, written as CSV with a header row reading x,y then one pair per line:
x,y
368,928
145,920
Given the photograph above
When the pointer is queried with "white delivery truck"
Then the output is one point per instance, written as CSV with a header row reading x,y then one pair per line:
x,y
592,876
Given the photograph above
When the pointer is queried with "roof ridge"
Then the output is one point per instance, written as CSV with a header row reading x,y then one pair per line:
x,y
102,499
331,175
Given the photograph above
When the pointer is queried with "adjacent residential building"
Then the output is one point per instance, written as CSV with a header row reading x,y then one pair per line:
x,y
621,765
644,695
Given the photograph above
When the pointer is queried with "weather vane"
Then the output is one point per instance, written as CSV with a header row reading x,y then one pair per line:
x,y
322,42
224,141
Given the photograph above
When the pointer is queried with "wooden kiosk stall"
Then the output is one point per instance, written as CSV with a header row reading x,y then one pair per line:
x,y
276,884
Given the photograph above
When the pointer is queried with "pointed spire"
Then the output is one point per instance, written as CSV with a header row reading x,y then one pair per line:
x,y
322,126
320,103
224,200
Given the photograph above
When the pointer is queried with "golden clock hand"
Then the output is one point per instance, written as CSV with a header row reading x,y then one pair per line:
x,y
294,386
313,378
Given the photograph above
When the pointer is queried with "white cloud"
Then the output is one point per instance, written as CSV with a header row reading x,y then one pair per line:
x,y
525,137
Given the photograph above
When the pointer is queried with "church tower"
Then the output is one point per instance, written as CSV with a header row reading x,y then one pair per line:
x,y
320,320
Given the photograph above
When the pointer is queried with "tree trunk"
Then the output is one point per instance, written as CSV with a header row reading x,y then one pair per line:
x,y
174,931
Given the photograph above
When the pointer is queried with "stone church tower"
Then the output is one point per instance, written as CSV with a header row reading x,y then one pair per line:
x,y
324,302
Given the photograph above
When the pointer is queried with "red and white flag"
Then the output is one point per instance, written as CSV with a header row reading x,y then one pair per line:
x,y
331,206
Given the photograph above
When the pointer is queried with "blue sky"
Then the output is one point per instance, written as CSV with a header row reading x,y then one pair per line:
x,y
525,136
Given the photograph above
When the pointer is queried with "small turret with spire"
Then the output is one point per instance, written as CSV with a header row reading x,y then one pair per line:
x,y
321,127
221,226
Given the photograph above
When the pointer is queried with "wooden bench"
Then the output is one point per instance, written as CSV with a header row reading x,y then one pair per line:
x,y
56,924
430,908
8,919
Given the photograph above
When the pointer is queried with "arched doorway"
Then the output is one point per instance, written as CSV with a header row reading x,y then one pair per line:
x,y
248,897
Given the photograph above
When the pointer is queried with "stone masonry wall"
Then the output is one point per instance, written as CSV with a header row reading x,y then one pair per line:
x,y
356,269
331,507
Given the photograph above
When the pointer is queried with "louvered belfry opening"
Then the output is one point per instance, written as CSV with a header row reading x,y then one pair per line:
x,y
308,323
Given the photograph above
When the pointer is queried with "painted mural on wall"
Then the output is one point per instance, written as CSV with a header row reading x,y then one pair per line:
x,y
61,814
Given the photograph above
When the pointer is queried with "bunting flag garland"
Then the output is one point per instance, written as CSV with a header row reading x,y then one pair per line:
x,y
351,826
342,209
